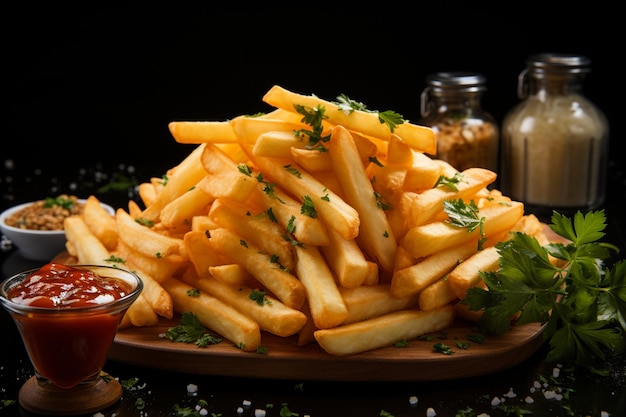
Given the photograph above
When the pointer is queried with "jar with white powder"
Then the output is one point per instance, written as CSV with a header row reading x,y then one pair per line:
x,y
555,141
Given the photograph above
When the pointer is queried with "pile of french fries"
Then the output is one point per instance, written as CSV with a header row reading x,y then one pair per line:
x,y
258,231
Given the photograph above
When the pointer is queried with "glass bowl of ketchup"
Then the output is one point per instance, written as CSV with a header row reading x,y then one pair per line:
x,y
67,316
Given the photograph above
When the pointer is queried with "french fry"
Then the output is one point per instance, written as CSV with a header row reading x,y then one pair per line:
x,y
201,132
88,248
435,237
331,208
467,274
248,129
184,207
369,301
383,330
159,299
346,260
418,137
436,295
100,222
276,279
231,274
216,315
158,268
428,203
143,239
323,297
201,252
256,228
413,279
183,177
139,314
375,234
272,315
288,212
277,144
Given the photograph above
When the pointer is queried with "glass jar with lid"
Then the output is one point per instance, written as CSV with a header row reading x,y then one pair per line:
x,y
555,141
467,136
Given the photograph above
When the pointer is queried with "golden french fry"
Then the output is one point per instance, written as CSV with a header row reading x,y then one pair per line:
x,y
436,295
201,252
311,159
375,234
153,291
369,301
383,330
256,228
428,203
275,278
467,274
420,138
323,297
248,129
143,239
231,274
271,315
202,223
184,207
100,222
423,173
413,279
435,237
158,268
329,206
233,185
346,260
88,248
277,143
200,132
216,315
288,212
140,313
183,177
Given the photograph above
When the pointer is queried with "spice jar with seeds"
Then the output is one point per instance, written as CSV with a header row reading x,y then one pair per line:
x,y
467,136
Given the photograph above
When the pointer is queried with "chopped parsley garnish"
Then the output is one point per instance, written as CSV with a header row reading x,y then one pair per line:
x,y
450,182
259,297
191,330
313,117
580,299
144,222
62,202
389,117
308,208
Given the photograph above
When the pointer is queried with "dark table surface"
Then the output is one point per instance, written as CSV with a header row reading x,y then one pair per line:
x,y
159,393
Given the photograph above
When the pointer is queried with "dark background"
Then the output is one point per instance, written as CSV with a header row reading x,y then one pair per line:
x,y
87,84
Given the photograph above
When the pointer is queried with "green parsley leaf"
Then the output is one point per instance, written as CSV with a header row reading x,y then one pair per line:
x,y
191,330
581,300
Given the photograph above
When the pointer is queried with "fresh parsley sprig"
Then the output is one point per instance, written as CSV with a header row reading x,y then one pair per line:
x,y
566,286
388,117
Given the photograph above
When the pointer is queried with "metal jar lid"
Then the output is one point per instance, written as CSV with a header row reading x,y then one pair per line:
x,y
570,63
444,83
545,65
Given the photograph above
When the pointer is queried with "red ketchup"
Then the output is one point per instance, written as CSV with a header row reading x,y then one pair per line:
x,y
68,339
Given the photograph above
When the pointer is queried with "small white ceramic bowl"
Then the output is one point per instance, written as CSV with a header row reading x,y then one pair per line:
x,y
36,245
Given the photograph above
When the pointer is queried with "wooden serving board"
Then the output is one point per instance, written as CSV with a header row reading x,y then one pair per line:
x,y
144,346
285,360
